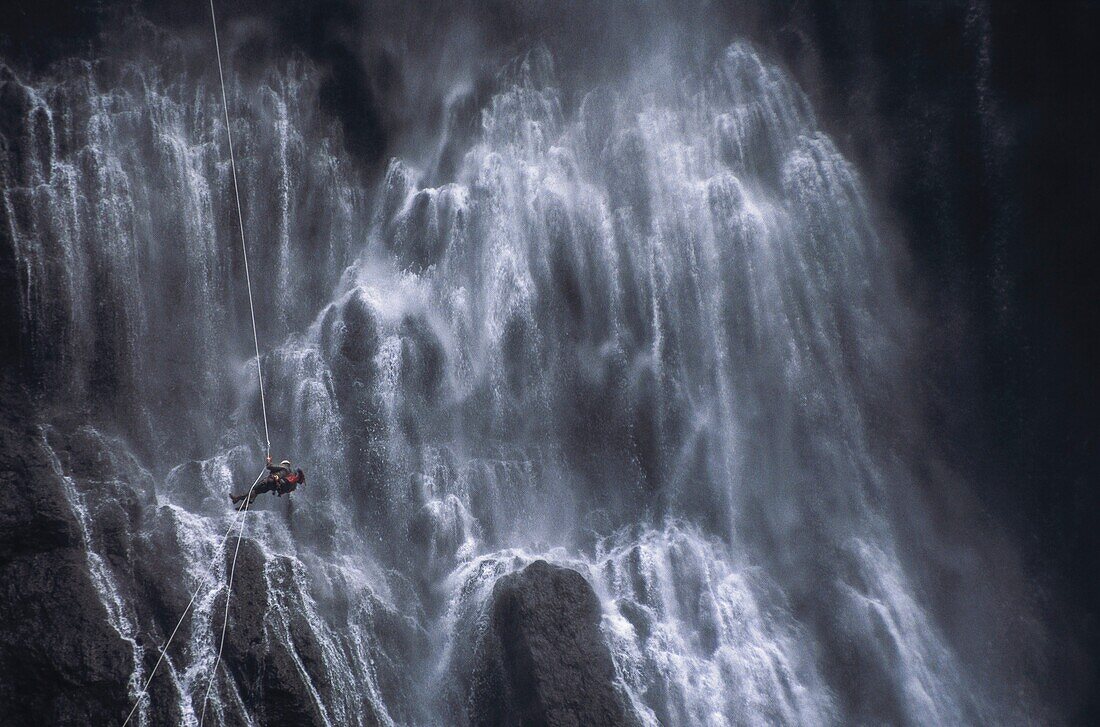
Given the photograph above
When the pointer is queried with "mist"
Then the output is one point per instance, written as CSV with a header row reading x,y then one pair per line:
x,y
597,286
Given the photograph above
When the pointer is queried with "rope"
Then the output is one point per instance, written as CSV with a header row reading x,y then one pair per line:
x,y
194,595
242,515
225,620
240,221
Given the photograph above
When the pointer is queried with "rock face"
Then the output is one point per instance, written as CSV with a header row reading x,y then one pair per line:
x,y
63,660
60,661
542,660
273,676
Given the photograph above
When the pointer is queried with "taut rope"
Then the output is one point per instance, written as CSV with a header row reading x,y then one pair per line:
x,y
242,515
194,595
240,221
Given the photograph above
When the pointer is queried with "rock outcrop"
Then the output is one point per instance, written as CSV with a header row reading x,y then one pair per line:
x,y
61,662
542,659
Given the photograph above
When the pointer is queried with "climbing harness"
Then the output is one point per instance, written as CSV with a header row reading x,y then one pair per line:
x,y
243,514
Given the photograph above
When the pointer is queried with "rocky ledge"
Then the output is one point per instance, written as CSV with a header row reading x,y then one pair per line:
x,y
542,659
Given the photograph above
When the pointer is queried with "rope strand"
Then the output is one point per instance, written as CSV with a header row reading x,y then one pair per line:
x,y
225,619
194,595
242,515
240,221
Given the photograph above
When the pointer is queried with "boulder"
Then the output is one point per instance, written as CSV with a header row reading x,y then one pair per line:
x,y
542,659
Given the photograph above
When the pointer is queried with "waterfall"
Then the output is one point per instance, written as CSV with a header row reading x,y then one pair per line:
x,y
650,332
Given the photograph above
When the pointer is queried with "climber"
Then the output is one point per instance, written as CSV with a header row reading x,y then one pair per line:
x,y
280,479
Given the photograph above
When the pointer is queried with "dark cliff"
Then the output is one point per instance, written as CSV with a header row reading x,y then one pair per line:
x,y
542,659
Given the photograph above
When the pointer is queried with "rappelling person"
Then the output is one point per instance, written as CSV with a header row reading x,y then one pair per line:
x,y
281,480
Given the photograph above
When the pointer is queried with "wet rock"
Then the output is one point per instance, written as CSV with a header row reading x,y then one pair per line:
x,y
272,651
61,662
542,659
423,230
24,130
257,654
32,519
399,184
628,178
351,337
598,120
423,360
357,332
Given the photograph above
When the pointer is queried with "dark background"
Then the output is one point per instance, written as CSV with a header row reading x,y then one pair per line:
x,y
974,130
975,127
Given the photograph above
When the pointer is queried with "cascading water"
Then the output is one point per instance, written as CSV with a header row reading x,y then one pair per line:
x,y
650,333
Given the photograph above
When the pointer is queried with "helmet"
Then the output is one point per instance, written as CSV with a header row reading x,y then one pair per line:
x,y
285,463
